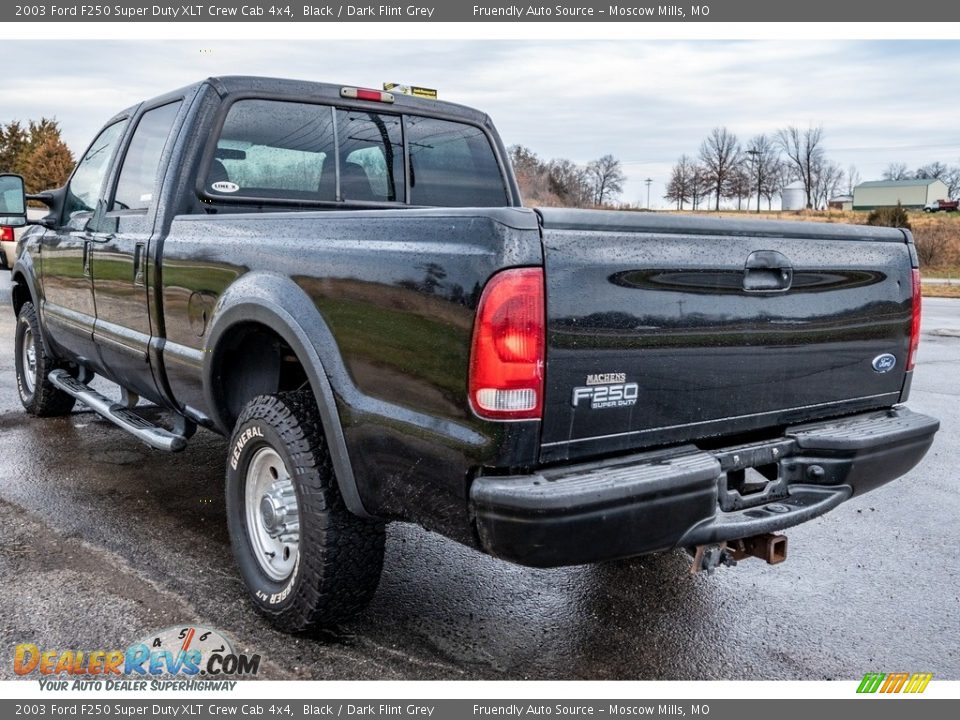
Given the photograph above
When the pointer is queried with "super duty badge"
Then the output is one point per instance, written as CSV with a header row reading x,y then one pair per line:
x,y
606,390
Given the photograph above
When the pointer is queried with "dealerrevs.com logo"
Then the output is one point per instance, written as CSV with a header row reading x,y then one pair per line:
x,y
190,653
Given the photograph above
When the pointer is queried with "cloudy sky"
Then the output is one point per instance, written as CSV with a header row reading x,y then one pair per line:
x,y
644,101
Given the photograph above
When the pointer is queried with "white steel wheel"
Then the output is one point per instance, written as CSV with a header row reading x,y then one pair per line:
x,y
272,514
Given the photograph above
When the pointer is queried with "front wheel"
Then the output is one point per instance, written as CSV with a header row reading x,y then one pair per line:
x,y
305,558
33,364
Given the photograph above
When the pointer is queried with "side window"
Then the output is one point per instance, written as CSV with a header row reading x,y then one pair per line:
x,y
371,156
275,149
138,176
87,181
452,165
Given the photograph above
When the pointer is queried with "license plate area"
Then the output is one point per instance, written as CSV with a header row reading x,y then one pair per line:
x,y
752,475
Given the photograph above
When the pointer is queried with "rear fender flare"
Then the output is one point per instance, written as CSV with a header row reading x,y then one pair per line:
x,y
277,302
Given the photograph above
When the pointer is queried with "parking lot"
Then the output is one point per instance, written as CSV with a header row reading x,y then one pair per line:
x,y
103,540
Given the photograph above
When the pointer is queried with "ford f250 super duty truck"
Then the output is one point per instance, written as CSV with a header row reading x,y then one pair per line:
x,y
345,284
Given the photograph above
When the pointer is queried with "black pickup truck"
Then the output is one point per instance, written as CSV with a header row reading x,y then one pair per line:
x,y
345,283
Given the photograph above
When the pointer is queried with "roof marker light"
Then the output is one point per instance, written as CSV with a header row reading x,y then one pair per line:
x,y
365,94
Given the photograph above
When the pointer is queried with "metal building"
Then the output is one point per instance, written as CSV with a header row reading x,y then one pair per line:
x,y
911,194
793,197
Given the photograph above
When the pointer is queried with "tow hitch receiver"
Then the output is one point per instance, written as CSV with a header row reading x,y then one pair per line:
x,y
769,547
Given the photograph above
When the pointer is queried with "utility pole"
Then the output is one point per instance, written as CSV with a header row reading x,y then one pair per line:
x,y
755,154
648,181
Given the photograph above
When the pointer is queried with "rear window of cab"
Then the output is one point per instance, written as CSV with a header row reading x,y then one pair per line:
x,y
281,150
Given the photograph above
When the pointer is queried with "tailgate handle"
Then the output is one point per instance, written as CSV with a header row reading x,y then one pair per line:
x,y
767,271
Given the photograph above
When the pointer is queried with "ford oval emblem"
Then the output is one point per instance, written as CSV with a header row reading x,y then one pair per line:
x,y
884,363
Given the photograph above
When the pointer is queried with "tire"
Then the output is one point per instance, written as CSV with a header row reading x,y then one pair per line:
x,y
33,363
279,475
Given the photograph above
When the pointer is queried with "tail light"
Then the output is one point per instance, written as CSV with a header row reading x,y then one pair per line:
x,y
915,321
6,234
507,355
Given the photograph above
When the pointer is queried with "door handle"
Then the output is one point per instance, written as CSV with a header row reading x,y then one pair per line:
x,y
100,237
86,258
138,264
767,271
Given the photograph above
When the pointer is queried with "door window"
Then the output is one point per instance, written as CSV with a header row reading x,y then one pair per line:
x,y
138,176
87,181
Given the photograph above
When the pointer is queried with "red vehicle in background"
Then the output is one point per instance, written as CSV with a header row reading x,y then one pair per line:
x,y
944,205
8,247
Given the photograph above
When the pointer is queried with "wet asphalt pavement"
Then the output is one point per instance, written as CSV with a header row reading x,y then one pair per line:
x,y
103,540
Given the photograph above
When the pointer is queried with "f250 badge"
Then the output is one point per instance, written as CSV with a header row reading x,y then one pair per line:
x,y
606,390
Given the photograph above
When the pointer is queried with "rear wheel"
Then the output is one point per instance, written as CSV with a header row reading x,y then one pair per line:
x,y
305,558
33,364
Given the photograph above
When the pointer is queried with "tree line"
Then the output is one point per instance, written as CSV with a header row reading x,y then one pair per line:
x,y
560,181
949,174
727,169
37,152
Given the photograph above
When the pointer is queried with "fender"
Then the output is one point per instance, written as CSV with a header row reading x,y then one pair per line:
x,y
280,304
23,272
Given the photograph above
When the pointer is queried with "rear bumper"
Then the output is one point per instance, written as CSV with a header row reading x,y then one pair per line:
x,y
686,496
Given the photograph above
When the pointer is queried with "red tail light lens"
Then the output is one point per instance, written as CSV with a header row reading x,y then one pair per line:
x,y
915,321
507,356
6,234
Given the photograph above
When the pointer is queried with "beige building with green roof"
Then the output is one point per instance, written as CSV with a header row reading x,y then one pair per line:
x,y
911,194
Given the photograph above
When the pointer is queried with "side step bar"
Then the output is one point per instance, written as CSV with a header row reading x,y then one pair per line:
x,y
116,413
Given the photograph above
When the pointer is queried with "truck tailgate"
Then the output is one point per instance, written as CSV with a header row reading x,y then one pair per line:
x,y
663,329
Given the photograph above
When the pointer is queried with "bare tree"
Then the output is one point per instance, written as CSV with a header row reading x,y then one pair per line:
x,y
897,171
932,171
952,179
738,185
531,173
853,178
804,151
568,182
777,180
679,187
605,177
828,179
719,153
764,164
698,185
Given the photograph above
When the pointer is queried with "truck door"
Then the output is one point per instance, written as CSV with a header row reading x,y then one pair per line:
x,y
121,254
68,305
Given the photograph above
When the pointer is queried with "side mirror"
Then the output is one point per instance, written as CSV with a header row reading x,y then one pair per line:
x,y
13,201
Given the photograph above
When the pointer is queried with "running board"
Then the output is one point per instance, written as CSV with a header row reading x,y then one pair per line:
x,y
116,413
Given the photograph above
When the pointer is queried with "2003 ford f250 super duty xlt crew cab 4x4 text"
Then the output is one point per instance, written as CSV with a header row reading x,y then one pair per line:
x,y
346,284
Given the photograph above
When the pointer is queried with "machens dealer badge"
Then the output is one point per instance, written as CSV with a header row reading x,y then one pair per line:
x,y
605,390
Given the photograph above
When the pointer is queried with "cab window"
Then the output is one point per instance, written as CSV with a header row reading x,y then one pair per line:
x,y
371,156
452,165
274,149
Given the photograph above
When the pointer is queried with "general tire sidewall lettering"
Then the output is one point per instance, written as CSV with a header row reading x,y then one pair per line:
x,y
247,439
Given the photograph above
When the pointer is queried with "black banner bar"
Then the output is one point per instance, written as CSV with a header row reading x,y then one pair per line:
x,y
471,11
195,708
